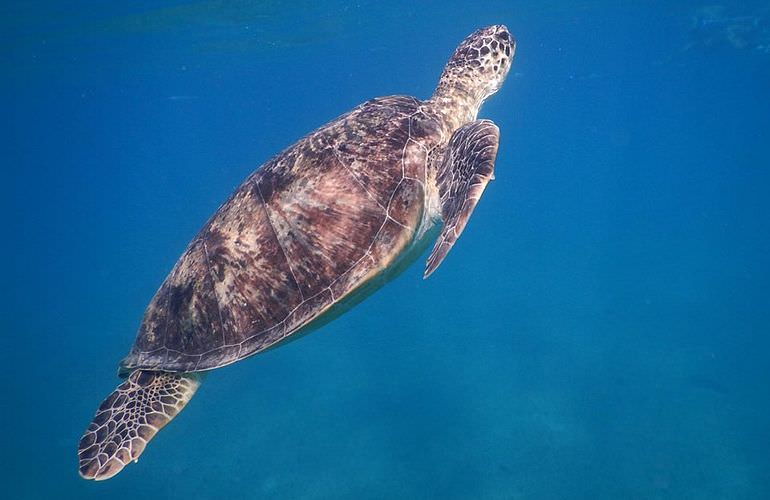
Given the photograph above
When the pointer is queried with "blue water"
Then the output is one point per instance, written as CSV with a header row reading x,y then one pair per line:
x,y
601,329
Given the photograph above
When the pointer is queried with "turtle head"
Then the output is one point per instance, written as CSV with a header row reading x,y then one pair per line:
x,y
476,70
481,62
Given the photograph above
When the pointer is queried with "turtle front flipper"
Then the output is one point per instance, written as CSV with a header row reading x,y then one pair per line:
x,y
129,418
468,165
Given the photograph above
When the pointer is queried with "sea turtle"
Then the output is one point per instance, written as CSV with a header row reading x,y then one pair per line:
x,y
307,235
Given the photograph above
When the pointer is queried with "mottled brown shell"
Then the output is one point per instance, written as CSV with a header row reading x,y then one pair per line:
x,y
301,233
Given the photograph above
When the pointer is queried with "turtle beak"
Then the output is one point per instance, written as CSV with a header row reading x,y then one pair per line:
x,y
505,38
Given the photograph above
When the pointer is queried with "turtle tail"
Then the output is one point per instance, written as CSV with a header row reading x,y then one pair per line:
x,y
129,418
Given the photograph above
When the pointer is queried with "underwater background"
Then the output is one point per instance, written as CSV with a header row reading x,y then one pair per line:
x,y
601,329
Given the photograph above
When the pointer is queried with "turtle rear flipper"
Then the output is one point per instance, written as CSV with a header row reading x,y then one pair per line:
x,y
467,167
129,418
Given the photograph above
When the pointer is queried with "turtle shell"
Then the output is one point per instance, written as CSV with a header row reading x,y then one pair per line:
x,y
312,225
